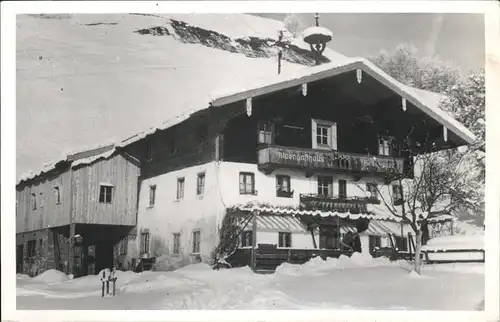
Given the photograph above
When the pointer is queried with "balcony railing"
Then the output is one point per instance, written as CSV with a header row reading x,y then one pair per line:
x,y
272,157
336,203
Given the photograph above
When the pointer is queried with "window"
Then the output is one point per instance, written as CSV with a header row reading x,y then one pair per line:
x,y
384,145
283,186
41,200
196,242
401,243
342,189
33,201
324,134
265,133
145,243
177,243
285,239
200,183
247,238
123,246
325,186
397,196
374,241
152,195
57,194
247,183
372,189
31,248
180,188
105,193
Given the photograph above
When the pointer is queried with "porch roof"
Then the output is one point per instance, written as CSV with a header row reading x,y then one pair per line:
x,y
280,223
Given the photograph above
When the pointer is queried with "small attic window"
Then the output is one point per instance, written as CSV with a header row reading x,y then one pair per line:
x,y
106,193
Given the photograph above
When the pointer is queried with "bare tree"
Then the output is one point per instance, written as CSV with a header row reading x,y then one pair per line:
x,y
293,24
434,183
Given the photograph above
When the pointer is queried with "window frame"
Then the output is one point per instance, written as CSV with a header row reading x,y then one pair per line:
x,y
152,195
385,145
144,243
176,245
196,244
33,201
243,239
329,186
106,186
123,246
181,187
331,134
57,193
283,240
31,249
342,188
244,191
265,132
200,183
280,192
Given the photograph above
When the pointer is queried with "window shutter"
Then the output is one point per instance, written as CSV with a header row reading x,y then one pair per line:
x,y
313,134
334,136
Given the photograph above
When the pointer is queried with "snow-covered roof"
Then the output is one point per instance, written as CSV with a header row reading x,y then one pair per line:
x,y
120,78
426,101
315,30
74,162
114,75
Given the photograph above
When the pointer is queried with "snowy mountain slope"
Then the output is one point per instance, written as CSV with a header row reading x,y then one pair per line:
x,y
83,80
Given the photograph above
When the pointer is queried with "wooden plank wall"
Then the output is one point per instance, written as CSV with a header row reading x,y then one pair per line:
x,y
50,214
122,175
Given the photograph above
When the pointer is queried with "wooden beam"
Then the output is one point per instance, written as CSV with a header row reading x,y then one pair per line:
x,y
254,239
71,258
249,106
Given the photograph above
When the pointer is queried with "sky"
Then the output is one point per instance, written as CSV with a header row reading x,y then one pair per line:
x,y
456,38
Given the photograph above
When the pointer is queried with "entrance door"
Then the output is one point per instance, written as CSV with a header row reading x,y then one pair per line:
x,y
103,257
19,258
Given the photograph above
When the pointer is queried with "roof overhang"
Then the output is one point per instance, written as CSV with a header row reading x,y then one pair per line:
x,y
427,102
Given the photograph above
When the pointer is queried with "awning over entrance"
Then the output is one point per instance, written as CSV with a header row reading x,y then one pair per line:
x,y
279,223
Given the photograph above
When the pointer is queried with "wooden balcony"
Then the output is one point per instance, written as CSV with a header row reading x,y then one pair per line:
x,y
313,160
336,203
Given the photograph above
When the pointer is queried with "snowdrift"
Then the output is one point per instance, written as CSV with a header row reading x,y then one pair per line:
x,y
51,276
319,266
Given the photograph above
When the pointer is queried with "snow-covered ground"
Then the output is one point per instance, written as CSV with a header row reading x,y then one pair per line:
x,y
356,283
473,241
